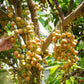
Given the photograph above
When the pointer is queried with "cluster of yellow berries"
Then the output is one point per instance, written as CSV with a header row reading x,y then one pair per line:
x,y
64,50
32,58
31,55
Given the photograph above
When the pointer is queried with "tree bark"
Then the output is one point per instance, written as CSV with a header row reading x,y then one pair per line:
x,y
17,6
34,70
35,77
32,8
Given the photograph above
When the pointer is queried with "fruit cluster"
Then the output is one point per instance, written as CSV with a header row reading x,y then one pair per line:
x,y
24,57
64,50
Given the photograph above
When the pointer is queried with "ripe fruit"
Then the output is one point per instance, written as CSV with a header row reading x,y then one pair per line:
x,y
12,23
12,39
27,78
64,44
22,56
18,19
5,28
16,53
23,46
10,15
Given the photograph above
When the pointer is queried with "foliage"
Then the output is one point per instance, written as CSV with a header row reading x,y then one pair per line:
x,y
26,57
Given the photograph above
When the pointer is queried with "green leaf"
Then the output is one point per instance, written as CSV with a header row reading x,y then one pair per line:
x,y
35,80
68,82
82,78
57,82
53,69
82,62
42,21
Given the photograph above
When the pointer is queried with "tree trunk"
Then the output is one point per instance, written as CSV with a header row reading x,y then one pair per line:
x,y
35,77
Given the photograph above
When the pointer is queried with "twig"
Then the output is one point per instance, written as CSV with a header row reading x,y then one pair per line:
x,y
53,9
69,7
17,4
59,8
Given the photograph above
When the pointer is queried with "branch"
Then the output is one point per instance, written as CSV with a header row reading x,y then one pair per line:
x,y
17,6
34,16
17,3
75,14
50,5
69,7
59,8
53,9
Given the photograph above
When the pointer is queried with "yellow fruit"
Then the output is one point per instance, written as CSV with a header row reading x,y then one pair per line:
x,y
68,34
16,32
54,39
59,58
5,28
28,27
28,52
20,31
16,53
27,78
22,56
10,15
5,34
58,31
40,67
73,44
26,8
12,28
18,19
37,65
83,32
12,23
64,41
12,39
23,46
31,23
75,52
63,35
38,50
37,39
27,13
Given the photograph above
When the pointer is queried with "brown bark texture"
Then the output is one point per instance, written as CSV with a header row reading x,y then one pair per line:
x,y
17,5
35,71
35,78
32,8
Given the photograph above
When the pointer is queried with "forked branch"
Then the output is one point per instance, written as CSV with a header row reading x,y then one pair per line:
x,y
75,14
